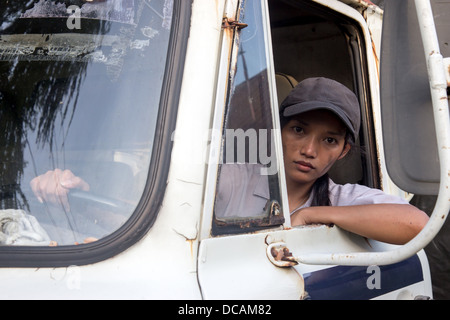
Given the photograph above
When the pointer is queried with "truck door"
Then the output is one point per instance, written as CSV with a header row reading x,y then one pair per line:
x,y
267,47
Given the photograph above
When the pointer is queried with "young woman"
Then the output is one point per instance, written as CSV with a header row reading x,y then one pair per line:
x,y
320,121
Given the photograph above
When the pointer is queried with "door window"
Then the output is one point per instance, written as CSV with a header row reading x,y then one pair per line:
x,y
248,193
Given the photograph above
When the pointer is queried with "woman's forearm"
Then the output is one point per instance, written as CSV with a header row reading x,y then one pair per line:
x,y
392,223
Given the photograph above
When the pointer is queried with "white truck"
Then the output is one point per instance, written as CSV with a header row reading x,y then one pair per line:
x,y
138,97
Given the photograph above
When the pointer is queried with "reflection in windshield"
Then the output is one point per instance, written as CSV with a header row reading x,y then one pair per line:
x,y
78,103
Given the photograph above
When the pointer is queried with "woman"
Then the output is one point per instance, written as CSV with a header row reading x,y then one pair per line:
x,y
320,121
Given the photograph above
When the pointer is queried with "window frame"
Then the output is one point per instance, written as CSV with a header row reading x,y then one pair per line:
x,y
228,61
144,216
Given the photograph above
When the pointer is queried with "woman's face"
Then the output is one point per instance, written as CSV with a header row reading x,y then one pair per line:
x,y
312,142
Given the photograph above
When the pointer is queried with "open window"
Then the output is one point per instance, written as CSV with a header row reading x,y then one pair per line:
x,y
304,40
311,41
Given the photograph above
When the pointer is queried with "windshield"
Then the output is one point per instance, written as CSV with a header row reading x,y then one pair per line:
x,y
80,86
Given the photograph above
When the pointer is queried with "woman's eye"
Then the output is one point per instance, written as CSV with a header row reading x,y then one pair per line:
x,y
331,140
298,129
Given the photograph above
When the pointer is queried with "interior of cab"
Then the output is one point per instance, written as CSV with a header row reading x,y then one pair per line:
x,y
310,41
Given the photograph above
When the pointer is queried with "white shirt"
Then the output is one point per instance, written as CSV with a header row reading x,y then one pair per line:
x,y
243,192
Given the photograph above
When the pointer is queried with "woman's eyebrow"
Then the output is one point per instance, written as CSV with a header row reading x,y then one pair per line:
x,y
340,133
304,123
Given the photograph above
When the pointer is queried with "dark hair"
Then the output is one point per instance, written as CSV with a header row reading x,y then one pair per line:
x,y
320,188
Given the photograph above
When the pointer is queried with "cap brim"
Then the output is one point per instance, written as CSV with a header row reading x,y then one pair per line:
x,y
306,106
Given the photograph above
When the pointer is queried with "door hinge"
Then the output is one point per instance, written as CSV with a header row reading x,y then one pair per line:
x,y
229,23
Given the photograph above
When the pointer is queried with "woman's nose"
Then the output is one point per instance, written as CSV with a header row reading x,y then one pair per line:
x,y
309,147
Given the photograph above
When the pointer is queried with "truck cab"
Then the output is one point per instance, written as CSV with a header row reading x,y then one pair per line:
x,y
148,101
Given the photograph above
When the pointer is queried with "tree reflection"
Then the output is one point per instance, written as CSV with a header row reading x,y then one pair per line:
x,y
34,94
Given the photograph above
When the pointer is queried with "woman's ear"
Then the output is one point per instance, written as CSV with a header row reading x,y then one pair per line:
x,y
346,149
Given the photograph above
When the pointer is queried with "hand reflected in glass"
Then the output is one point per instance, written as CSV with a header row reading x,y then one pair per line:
x,y
53,187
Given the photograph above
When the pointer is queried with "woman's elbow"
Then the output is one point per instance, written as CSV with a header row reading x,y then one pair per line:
x,y
418,220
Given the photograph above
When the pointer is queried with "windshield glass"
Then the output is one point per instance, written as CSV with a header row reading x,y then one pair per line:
x,y
80,85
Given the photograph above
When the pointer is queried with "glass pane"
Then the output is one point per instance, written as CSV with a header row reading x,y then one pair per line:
x,y
248,180
80,85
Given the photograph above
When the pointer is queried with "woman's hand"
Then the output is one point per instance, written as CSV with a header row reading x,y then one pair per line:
x,y
53,187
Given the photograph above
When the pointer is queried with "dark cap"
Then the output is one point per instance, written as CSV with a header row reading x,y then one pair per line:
x,y
322,93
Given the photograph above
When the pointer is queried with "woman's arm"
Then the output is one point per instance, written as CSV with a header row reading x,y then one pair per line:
x,y
391,223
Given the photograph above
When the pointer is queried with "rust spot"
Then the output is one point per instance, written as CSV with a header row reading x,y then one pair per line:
x,y
228,23
191,245
53,244
448,70
282,254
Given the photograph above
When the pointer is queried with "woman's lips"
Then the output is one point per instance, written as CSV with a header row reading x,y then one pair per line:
x,y
304,166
